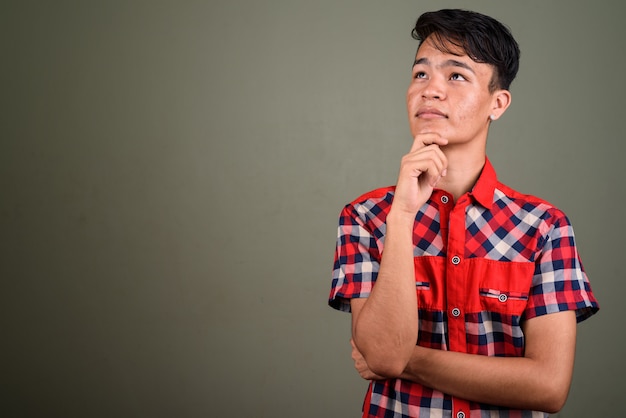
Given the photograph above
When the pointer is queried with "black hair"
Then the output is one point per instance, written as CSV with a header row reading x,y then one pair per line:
x,y
481,37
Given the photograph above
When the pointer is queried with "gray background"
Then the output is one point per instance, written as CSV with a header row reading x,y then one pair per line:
x,y
172,173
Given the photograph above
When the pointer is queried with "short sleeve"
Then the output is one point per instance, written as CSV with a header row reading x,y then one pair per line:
x,y
560,282
357,260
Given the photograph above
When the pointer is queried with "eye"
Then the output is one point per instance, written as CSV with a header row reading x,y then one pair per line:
x,y
457,77
419,74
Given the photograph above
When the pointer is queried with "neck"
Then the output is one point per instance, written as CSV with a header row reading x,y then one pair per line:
x,y
464,168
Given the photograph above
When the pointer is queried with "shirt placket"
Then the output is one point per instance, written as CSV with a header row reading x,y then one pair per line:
x,y
456,290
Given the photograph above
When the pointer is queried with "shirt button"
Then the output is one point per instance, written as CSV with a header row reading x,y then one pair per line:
x,y
456,260
456,312
503,298
460,414
444,199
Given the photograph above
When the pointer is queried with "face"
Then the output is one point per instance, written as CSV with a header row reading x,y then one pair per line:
x,y
449,95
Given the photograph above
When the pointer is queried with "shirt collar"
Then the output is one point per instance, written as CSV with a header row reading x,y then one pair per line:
x,y
485,185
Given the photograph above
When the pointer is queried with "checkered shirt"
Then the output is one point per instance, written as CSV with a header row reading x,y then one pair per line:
x,y
483,265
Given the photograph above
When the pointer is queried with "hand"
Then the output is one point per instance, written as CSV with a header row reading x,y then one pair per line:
x,y
361,366
420,171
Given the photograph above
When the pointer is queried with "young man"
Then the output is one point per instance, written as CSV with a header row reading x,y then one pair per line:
x,y
464,293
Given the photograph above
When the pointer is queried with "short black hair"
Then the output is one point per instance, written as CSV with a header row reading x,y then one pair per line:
x,y
482,37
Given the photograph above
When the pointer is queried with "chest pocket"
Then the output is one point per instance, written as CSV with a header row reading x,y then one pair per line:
x,y
488,285
498,286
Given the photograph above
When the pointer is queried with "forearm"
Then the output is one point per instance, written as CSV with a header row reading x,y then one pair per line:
x,y
385,330
514,382
385,325
538,381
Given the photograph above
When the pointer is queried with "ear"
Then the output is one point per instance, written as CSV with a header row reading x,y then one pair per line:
x,y
501,102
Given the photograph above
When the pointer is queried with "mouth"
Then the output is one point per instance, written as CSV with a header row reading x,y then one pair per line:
x,y
430,113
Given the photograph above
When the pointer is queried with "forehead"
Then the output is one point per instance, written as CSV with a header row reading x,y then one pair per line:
x,y
434,54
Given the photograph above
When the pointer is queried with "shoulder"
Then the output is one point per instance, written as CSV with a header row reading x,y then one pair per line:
x,y
505,195
370,208
376,200
375,196
530,210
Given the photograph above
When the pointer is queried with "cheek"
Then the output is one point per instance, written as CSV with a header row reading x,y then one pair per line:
x,y
411,99
470,110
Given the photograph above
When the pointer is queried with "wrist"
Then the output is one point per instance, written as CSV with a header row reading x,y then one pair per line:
x,y
412,370
400,217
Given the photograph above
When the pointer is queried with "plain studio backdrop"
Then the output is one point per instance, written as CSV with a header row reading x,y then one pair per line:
x,y
172,172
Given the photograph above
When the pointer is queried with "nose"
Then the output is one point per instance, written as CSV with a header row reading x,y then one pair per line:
x,y
434,89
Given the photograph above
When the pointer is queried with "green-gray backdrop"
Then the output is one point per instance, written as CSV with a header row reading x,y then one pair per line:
x,y
171,174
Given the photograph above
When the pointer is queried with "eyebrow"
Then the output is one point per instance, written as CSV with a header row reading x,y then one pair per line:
x,y
448,63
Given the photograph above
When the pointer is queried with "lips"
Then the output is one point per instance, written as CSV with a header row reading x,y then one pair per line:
x,y
430,113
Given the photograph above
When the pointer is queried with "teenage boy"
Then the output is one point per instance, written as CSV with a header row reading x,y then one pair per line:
x,y
464,293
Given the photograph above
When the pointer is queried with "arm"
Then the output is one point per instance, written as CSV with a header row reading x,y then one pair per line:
x,y
539,381
385,325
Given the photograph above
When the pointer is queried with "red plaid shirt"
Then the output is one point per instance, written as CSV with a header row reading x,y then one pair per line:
x,y
483,265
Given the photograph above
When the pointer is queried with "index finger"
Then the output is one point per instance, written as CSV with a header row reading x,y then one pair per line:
x,y
425,139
